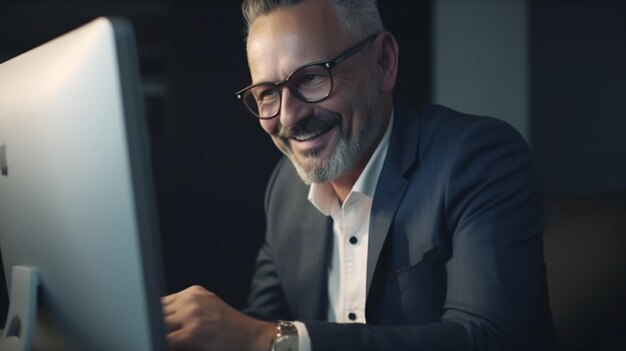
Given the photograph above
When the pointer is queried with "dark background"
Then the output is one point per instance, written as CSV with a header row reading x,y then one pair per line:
x,y
211,160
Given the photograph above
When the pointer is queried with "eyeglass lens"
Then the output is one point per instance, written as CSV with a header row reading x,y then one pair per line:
x,y
310,84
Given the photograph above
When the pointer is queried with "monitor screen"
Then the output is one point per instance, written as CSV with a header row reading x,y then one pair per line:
x,y
78,228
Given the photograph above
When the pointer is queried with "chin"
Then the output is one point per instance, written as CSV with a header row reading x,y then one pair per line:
x,y
317,170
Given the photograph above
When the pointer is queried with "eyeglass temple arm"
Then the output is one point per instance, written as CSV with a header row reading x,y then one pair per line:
x,y
351,51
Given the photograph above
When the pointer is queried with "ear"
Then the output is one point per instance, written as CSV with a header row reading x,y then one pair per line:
x,y
387,61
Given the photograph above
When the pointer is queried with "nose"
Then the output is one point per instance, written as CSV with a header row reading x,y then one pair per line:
x,y
292,109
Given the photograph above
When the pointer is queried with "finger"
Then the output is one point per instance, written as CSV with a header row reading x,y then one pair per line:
x,y
180,339
169,310
172,323
169,299
190,292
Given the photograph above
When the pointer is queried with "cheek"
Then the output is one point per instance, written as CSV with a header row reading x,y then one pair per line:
x,y
270,126
348,111
347,100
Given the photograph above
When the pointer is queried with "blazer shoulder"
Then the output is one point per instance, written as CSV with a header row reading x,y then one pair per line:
x,y
441,118
447,128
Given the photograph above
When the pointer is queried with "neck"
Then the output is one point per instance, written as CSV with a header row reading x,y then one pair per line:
x,y
343,185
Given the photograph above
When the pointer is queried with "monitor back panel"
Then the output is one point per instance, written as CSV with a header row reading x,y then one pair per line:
x,y
67,201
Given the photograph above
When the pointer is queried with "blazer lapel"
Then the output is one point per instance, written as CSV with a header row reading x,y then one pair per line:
x,y
312,297
401,157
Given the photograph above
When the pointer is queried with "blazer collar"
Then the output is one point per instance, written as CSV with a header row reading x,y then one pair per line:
x,y
401,158
403,146
316,249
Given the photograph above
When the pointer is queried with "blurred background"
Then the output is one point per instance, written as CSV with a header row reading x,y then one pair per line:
x,y
555,70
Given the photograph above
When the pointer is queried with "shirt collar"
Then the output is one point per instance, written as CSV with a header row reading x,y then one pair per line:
x,y
322,195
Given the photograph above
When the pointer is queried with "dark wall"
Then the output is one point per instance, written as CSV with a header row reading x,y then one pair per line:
x,y
578,94
213,162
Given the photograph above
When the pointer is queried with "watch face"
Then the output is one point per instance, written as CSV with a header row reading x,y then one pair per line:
x,y
285,343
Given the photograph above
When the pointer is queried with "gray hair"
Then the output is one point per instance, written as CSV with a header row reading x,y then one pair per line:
x,y
358,18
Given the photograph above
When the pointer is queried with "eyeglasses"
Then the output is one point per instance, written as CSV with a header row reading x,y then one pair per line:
x,y
312,82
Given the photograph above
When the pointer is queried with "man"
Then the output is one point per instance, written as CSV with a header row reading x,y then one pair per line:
x,y
387,228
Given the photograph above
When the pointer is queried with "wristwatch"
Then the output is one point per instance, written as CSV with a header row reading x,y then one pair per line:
x,y
286,338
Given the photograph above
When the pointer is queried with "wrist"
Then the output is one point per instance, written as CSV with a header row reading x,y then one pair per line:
x,y
265,333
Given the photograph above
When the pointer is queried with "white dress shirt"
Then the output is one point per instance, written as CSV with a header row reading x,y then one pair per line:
x,y
347,272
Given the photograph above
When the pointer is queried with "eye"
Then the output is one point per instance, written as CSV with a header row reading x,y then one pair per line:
x,y
265,93
311,79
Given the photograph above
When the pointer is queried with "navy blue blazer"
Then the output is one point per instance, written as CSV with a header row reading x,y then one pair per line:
x,y
455,256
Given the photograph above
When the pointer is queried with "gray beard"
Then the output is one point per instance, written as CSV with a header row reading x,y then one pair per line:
x,y
349,150
343,158
347,153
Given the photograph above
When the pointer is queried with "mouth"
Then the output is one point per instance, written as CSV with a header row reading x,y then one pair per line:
x,y
312,134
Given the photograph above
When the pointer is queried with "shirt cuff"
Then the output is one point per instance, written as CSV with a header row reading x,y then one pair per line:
x,y
304,341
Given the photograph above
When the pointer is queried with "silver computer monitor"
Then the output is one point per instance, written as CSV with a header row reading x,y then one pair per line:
x,y
78,229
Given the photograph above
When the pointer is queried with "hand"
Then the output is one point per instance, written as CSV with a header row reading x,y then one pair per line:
x,y
196,319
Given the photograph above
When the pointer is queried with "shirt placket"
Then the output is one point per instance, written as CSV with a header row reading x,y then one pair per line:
x,y
352,297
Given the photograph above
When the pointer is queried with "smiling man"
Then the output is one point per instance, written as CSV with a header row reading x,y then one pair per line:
x,y
388,228
330,136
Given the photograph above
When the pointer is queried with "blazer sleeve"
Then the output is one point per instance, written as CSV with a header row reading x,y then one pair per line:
x,y
496,291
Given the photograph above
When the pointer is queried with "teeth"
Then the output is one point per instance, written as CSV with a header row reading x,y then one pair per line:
x,y
306,136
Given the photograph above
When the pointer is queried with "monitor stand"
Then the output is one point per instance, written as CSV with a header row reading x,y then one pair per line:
x,y
19,330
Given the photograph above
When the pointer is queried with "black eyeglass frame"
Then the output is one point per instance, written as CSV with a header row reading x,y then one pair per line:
x,y
327,64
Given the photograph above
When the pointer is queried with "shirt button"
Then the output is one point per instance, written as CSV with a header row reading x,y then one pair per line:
x,y
353,240
352,316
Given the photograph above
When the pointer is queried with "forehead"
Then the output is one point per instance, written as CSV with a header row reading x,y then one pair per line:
x,y
285,39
